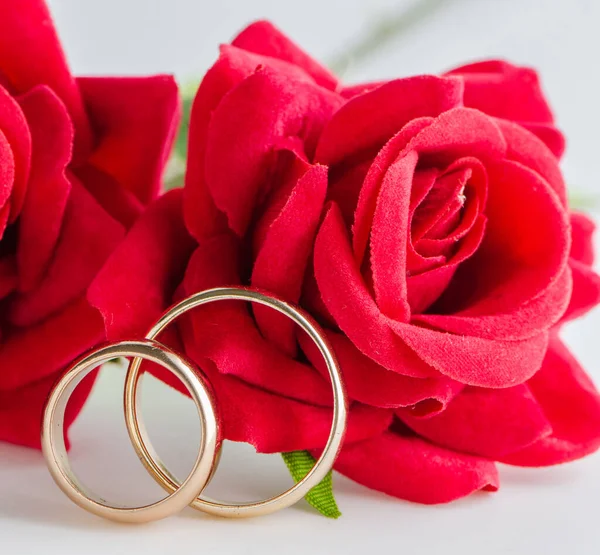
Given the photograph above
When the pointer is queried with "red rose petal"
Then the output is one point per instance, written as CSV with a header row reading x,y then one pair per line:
x,y
14,129
582,234
21,410
425,288
439,213
527,149
48,188
413,469
586,290
454,134
586,283
38,351
516,284
88,236
281,262
484,422
538,314
202,217
288,169
423,182
369,120
513,93
503,90
4,215
225,333
214,263
7,177
474,360
248,123
389,238
372,384
405,348
572,405
117,201
273,423
453,204
31,55
453,223
8,276
345,184
349,301
367,200
351,91
262,37
549,135
137,283
311,299
135,121
460,133
428,276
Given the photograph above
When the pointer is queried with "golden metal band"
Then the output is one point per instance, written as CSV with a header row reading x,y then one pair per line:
x,y
187,492
323,465
53,440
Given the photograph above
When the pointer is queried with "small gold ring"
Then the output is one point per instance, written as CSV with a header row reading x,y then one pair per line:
x,y
323,465
53,440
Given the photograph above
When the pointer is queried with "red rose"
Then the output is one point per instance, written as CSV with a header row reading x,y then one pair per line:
x,y
423,220
79,159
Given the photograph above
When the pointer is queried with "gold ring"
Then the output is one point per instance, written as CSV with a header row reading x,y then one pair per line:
x,y
322,466
53,441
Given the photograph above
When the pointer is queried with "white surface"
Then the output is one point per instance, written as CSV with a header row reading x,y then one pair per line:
x,y
541,511
549,511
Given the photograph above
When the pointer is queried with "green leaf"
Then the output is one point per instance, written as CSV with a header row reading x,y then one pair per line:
x,y
175,170
580,201
188,92
321,497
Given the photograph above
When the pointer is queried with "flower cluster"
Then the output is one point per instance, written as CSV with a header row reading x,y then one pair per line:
x,y
423,221
79,161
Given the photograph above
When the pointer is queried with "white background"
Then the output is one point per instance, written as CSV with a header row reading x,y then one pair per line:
x,y
549,511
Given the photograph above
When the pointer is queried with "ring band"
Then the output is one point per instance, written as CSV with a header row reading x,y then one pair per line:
x,y
323,465
53,440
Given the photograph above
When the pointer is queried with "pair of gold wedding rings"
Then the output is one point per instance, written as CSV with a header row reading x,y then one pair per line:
x,y
186,492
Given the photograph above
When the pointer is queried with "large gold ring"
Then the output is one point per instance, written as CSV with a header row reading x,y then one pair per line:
x,y
322,466
53,440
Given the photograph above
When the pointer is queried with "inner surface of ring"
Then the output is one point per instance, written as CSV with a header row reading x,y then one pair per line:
x,y
147,453
60,448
